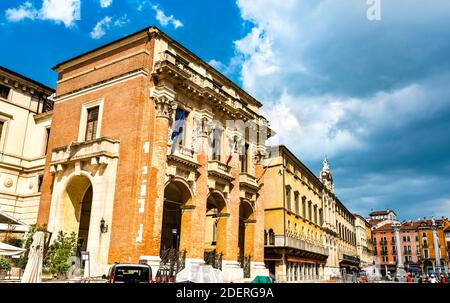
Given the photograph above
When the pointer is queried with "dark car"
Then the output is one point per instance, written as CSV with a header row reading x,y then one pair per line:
x,y
129,273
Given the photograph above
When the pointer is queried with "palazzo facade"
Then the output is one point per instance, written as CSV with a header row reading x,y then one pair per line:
x,y
153,149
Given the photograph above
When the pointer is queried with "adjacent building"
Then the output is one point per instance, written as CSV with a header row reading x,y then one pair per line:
x,y
25,119
144,159
364,245
294,238
418,242
309,234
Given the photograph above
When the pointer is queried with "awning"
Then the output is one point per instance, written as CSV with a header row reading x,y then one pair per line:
x,y
11,224
9,250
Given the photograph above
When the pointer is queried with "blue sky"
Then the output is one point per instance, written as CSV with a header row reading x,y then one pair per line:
x,y
373,96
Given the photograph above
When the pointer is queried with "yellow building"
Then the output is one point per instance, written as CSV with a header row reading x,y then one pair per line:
x,y
364,244
294,238
431,235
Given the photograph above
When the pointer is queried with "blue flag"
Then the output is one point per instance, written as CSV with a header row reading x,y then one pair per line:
x,y
177,131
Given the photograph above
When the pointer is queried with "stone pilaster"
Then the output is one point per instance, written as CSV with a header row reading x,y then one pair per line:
x,y
163,99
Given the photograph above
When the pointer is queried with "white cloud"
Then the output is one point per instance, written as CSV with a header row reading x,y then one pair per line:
x,y
59,11
107,23
299,54
24,11
105,3
165,20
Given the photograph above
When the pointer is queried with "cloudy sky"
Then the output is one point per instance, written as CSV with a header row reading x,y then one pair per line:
x,y
371,95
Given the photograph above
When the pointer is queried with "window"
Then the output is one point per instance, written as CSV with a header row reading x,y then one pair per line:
x,y
321,216
178,127
4,91
304,207
288,197
244,158
271,237
2,123
47,130
40,179
315,214
297,204
309,210
216,144
425,252
265,237
92,122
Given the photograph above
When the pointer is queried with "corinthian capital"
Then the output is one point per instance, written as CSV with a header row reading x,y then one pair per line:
x,y
164,101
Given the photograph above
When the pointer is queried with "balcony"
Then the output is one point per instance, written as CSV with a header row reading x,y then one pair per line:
x,y
249,181
284,241
220,170
96,152
183,155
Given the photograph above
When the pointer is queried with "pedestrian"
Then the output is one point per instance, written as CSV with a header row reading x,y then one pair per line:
x,y
443,280
420,279
433,279
409,278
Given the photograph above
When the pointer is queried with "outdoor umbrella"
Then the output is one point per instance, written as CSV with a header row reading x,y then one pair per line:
x,y
9,250
33,270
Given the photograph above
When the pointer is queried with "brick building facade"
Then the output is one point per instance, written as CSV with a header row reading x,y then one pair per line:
x,y
144,158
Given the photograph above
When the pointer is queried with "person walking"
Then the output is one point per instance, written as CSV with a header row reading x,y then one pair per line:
x,y
443,280
409,278
433,279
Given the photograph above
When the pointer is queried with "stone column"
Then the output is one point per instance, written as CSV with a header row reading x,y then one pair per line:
x,y
258,266
196,250
230,266
437,252
400,268
163,98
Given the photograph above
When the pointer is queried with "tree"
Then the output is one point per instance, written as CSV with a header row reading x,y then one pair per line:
x,y
5,264
60,251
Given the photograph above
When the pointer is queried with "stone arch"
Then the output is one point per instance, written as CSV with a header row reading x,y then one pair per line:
x,y
216,222
76,205
175,229
246,229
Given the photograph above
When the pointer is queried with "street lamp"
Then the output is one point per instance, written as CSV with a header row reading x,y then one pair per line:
x,y
103,226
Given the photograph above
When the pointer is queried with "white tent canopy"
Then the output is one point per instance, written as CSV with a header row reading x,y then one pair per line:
x,y
9,250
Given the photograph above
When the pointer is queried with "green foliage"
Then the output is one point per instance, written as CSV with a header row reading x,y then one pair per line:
x,y
60,251
15,242
5,264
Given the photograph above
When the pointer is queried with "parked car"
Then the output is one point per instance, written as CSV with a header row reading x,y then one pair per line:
x,y
129,273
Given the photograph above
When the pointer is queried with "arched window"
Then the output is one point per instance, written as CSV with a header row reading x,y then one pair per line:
x,y
265,237
288,197
297,203
271,237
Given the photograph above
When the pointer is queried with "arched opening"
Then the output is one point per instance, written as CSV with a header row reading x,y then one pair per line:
x,y
176,196
246,229
77,206
216,211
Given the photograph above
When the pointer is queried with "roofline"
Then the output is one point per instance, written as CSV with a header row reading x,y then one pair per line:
x,y
388,210
283,147
183,48
16,74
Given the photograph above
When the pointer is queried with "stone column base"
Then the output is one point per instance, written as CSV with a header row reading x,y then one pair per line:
x,y
153,261
331,272
232,272
194,262
258,269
